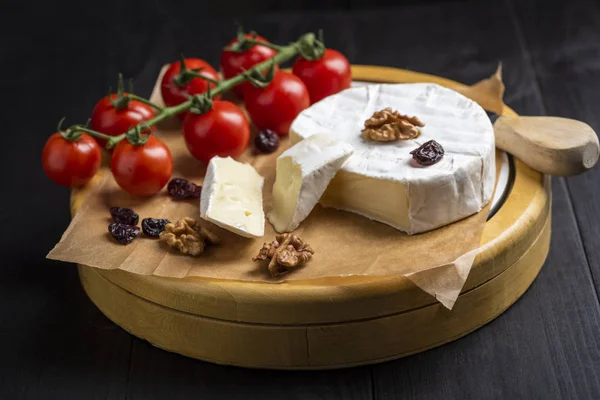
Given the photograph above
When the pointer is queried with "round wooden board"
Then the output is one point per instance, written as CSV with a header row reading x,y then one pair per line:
x,y
332,322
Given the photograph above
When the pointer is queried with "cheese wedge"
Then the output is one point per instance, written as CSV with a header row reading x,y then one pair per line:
x,y
232,197
303,173
380,180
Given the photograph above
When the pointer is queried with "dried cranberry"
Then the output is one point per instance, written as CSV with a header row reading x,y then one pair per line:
x,y
267,141
123,215
152,227
428,153
181,189
123,233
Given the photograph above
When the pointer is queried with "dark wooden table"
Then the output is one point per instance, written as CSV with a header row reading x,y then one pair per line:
x,y
58,59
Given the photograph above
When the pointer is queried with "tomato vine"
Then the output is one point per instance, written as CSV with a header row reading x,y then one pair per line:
x,y
202,102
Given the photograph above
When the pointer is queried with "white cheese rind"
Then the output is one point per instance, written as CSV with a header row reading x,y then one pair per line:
x,y
303,173
381,182
232,197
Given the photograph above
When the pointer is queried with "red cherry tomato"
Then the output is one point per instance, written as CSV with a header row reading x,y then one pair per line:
x,y
142,170
110,121
223,131
326,76
276,106
173,94
233,63
71,163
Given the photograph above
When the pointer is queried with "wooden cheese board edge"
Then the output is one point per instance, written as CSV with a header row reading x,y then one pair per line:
x,y
322,346
505,238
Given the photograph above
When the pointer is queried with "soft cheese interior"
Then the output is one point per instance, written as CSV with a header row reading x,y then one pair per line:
x,y
232,197
381,182
303,173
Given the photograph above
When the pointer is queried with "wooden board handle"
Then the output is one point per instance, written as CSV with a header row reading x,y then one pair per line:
x,y
552,145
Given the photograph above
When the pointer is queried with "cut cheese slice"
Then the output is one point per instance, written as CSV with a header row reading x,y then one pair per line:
x,y
303,173
232,197
380,180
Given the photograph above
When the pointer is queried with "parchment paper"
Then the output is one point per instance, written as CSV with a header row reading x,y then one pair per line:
x,y
345,244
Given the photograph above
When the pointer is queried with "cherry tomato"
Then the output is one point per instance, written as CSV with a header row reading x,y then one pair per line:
x,y
276,106
71,163
173,94
110,121
223,131
233,63
326,76
142,170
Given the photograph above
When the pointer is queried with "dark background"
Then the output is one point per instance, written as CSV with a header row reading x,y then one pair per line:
x,y
58,58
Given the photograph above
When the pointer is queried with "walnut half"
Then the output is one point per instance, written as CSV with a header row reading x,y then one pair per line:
x,y
188,236
387,125
286,252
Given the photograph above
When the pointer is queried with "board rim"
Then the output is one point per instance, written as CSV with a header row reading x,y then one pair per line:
x,y
248,301
334,345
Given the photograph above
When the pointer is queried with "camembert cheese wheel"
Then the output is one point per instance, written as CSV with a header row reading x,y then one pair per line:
x,y
381,181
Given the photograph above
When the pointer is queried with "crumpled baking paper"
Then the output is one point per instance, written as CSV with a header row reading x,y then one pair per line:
x,y
345,244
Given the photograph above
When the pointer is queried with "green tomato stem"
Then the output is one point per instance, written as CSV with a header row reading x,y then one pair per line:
x,y
199,75
284,53
122,101
145,101
166,112
266,44
79,128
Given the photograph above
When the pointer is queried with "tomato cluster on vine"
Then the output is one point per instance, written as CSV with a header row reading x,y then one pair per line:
x,y
191,89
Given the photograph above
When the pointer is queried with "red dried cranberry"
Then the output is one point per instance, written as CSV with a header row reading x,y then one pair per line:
x,y
267,141
181,189
123,215
428,153
123,233
152,227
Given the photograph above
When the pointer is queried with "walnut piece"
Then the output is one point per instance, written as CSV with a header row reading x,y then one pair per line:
x,y
286,252
387,125
188,236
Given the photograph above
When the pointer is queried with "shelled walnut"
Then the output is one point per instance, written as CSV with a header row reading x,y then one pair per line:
x,y
188,236
387,125
286,252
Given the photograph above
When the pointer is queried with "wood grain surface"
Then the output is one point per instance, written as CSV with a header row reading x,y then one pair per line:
x,y
506,237
57,345
316,346
328,323
552,145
